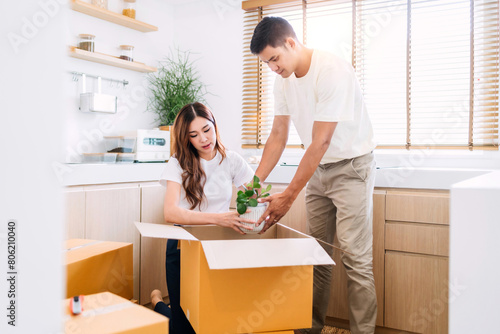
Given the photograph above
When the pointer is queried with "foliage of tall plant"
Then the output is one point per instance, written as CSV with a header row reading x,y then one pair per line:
x,y
175,84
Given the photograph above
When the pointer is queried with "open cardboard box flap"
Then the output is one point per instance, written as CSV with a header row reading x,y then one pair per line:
x,y
225,249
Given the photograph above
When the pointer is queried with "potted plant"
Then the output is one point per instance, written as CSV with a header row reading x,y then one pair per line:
x,y
175,84
247,201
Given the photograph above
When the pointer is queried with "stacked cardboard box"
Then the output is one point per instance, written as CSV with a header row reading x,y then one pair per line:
x,y
109,313
244,284
98,266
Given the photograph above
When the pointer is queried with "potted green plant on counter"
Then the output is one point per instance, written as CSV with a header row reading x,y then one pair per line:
x,y
175,84
247,201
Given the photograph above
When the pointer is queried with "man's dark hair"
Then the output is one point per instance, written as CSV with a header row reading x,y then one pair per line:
x,y
271,31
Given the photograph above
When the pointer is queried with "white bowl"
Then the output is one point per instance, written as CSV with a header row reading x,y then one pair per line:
x,y
254,214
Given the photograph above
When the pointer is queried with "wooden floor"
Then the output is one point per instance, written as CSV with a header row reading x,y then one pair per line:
x,y
337,326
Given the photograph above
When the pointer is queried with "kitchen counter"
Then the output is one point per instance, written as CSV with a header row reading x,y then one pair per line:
x,y
84,174
415,178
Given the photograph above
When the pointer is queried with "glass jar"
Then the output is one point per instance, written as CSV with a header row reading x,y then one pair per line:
x,y
86,42
100,3
129,8
126,52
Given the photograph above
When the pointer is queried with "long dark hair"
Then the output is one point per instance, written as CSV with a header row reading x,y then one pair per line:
x,y
193,175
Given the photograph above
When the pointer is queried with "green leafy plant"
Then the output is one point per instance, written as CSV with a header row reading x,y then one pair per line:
x,y
175,84
249,197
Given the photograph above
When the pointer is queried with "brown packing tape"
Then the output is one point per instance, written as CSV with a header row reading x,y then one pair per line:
x,y
90,243
100,310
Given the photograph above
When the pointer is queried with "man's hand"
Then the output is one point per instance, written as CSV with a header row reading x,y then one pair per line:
x,y
278,206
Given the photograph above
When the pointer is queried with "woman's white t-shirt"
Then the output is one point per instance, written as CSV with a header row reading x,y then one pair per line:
x,y
220,176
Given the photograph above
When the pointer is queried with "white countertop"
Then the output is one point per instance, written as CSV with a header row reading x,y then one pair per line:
x,y
84,174
418,178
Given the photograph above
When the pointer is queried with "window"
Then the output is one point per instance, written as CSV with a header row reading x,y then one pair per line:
x,y
429,69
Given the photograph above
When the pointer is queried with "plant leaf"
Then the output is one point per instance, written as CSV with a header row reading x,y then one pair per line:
x,y
242,208
240,193
264,195
241,200
268,188
252,202
256,179
249,193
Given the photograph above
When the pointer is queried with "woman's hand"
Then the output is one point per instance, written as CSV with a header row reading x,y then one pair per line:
x,y
232,220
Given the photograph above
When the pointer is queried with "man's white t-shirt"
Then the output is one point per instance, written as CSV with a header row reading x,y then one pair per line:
x,y
329,92
219,180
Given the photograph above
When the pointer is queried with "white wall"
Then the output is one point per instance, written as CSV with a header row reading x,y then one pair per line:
x,y
474,252
31,119
85,130
212,30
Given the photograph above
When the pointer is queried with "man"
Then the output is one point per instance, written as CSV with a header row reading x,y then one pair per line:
x,y
319,92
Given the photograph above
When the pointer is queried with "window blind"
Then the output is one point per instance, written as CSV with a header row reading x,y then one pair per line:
x,y
429,69
258,79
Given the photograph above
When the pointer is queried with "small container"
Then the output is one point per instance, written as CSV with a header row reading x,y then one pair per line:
x,y
99,158
120,144
129,8
100,3
126,52
125,158
86,42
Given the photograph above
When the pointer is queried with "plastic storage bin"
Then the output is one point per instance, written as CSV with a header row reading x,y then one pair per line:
x,y
99,158
120,144
125,158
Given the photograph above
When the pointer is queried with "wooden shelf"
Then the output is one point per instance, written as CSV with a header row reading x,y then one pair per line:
x,y
110,60
104,14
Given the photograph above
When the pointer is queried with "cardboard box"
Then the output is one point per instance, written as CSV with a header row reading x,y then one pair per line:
x,y
233,283
98,266
109,313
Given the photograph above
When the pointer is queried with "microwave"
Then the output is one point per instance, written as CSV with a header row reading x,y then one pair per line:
x,y
152,145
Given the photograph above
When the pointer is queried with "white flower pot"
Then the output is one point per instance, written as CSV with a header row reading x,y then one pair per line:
x,y
254,214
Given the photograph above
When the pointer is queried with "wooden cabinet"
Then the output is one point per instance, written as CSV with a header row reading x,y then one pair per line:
x,y
338,305
416,295
417,238
74,213
428,207
416,261
152,249
110,213
410,262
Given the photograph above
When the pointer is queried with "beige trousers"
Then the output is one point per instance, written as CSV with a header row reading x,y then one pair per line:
x,y
339,199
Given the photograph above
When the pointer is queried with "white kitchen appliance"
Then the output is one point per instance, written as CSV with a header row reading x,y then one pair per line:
x,y
152,145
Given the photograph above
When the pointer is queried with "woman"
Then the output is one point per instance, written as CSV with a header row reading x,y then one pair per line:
x,y
199,180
